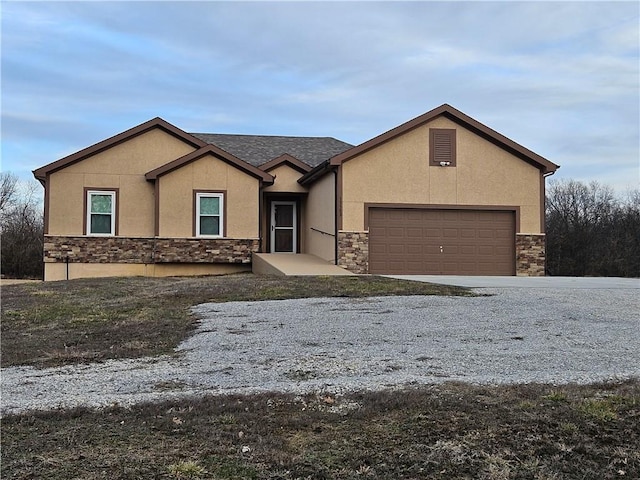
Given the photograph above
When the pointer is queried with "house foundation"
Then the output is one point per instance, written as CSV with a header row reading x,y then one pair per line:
x,y
67,257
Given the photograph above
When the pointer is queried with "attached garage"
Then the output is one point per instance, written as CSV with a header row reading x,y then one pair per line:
x,y
442,241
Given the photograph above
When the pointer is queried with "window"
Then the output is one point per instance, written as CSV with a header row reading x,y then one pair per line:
x,y
209,214
442,147
101,212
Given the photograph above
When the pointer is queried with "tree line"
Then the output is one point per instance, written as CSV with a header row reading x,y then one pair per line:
x,y
21,228
590,231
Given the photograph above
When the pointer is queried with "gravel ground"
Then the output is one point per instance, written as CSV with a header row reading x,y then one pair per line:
x,y
337,345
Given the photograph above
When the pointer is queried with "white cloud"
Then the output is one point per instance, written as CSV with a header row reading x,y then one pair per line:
x,y
552,76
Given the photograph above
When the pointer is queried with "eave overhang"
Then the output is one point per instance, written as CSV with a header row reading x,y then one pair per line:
x,y
316,173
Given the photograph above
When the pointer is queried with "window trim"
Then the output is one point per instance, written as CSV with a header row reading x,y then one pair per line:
x,y
197,195
433,160
115,194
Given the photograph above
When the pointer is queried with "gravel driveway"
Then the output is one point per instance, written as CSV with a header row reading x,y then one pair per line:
x,y
337,345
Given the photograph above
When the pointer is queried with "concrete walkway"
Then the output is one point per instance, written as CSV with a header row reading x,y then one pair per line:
x,y
294,264
600,283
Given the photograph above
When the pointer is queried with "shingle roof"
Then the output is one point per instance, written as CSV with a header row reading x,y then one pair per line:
x,y
259,149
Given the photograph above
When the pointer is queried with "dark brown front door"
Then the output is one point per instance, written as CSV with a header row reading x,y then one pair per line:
x,y
284,227
441,242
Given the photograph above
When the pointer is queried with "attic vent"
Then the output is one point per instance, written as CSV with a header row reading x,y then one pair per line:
x,y
442,147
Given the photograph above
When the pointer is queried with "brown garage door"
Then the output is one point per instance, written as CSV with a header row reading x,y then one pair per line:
x,y
441,242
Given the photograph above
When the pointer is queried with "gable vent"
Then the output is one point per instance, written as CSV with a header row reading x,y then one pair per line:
x,y
442,151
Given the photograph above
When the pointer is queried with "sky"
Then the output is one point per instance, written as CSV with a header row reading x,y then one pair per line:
x,y
560,78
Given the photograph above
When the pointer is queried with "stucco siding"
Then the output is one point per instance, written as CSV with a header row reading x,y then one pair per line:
x,y
286,180
320,215
135,203
136,156
488,175
137,207
176,198
121,167
66,203
398,172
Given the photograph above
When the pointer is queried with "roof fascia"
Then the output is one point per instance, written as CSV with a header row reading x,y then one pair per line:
x,y
315,173
285,159
386,136
157,122
500,140
457,116
218,153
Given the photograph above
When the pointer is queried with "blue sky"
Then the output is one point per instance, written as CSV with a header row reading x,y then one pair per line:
x,y
560,78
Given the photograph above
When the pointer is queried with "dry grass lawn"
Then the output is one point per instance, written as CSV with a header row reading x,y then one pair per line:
x,y
452,431
449,431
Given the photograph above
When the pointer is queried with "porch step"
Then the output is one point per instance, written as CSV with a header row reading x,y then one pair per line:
x,y
294,264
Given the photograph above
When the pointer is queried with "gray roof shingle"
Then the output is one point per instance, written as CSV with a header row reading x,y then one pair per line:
x,y
259,149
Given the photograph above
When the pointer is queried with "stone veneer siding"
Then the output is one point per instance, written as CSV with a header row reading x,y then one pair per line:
x,y
353,251
530,255
148,250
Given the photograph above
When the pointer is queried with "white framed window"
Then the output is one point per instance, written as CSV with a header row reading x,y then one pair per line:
x,y
101,212
209,214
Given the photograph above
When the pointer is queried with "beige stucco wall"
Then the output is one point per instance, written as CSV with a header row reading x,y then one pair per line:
x,y
286,180
398,172
123,167
319,213
58,271
176,204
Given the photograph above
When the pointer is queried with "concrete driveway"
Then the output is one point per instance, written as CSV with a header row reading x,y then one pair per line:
x,y
600,283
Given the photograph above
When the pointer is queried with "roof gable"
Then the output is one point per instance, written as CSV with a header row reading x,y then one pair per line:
x,y
217,153
285,159
157,122
460,118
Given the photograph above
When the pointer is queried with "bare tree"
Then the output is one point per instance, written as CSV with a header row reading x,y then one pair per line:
x,y
8,191
21,228
591,232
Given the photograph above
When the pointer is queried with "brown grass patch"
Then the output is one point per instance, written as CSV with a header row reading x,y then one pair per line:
x,y
441,432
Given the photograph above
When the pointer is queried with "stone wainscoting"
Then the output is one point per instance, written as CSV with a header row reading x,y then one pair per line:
x,y
148,250
353,251
530,255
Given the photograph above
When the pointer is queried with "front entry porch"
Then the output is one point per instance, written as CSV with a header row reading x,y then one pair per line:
x,y
300,264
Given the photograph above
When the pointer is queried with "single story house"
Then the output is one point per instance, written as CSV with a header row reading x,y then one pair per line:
x,y
439,194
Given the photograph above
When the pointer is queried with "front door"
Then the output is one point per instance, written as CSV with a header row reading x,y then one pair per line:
x,y
283,227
